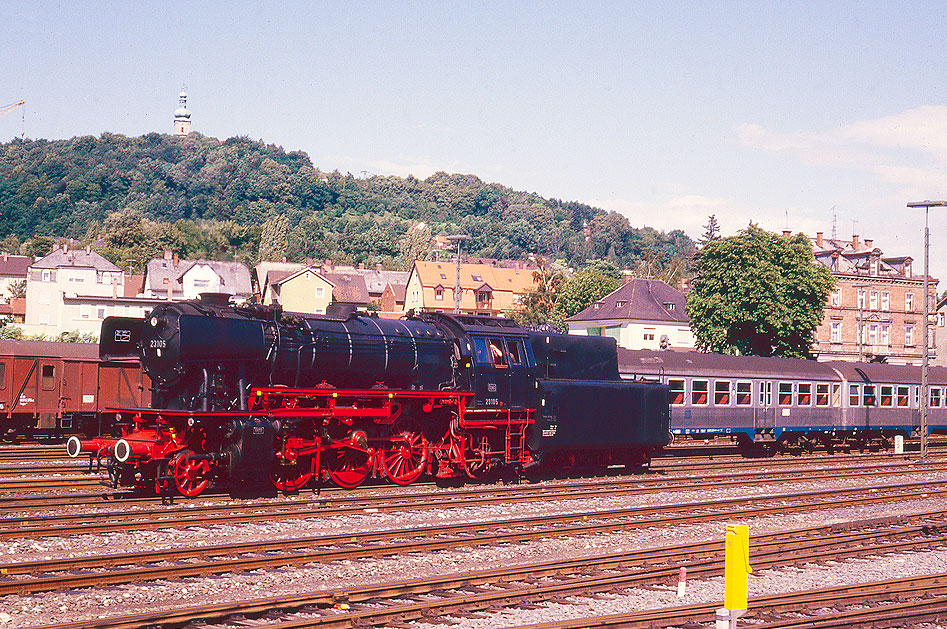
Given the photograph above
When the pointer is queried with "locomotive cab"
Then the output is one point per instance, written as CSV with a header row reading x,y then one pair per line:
x,y
493,357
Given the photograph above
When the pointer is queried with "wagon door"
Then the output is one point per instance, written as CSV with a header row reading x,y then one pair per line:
x,y
79,392
765,416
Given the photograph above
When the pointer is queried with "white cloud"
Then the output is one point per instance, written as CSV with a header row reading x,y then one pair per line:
x,y
907,149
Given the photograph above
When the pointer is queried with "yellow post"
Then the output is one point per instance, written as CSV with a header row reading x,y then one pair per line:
x,y
736,566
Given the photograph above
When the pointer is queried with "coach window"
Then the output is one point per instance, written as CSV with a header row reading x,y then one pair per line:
x,y
516,352
887,395
676,391
744,393
699,391
3,375
917,397
785,393
821,395
935,396
804,394
868,395
903,396
853,396
836,395
722,392
48,379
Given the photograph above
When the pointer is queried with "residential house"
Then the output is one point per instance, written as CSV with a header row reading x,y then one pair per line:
x,y
311,290
875,311
640,314
74,290
392,299
483,289
171,278
377,279
12,269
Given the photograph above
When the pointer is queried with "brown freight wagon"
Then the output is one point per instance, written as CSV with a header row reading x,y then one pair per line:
x,y
48,390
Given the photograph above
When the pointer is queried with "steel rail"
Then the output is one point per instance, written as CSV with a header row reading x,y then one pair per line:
x,y
702,558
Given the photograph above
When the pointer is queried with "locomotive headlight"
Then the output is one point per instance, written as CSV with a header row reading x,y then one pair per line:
x,y
190,421
154,322
123,450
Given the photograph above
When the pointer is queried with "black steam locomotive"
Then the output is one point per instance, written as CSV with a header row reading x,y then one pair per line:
x,y
247,392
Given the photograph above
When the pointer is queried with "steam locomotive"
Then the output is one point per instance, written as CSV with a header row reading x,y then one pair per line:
x,y
242,393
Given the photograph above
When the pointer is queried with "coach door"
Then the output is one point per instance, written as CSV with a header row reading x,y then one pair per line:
x,y
765,415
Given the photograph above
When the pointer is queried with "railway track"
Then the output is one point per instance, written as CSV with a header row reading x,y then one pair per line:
x,y
184,562
15,522
441,597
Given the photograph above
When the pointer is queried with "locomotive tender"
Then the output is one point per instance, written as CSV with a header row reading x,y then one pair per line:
x,y
249,392
783,404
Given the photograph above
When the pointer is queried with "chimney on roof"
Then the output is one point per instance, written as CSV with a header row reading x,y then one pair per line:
x,y
6,256
787,233
177,259
855,242
627,276
818,240
88,249
378,267
167,255
361,266
65,247
869,242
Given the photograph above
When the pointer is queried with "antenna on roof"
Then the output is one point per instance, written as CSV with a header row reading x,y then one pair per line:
x,y
834,223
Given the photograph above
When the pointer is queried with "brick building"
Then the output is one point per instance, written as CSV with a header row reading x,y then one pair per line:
x,y
875,311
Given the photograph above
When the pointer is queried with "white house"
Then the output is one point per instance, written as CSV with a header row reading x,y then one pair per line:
x,y
175,279
641,314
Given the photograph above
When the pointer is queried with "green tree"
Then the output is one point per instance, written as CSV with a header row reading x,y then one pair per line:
x,y
584,289
758,293
416,245
538,304
711,230
17,289
273,239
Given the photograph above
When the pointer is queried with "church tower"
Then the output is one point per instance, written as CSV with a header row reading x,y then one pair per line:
x,y
182,116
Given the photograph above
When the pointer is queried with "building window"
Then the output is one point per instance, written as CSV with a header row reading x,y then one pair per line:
x,y
836,298
861,298
594,331
201,283
649,334
46,275
909,335
836,332
721,392
908,302
100,311
699,390
439,294
320,292
885,338
804,394
744,393
885,300
940,319
873,300
785,393
676,391
3,375
620,304
669,306
872,334
477,278
483,296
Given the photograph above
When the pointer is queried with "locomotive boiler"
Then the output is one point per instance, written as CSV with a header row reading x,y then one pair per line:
x,y
245,393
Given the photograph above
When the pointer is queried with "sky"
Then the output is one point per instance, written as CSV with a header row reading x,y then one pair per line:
x,y
809,116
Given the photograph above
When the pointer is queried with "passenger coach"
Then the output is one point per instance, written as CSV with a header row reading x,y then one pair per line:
x,y
790,404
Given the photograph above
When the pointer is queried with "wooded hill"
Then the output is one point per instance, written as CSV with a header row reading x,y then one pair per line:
x,y
203,197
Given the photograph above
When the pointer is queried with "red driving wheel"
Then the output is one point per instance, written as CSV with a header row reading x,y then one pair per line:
x,y
405,456
190,477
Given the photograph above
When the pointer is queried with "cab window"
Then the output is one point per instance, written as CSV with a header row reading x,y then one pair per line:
x,y
515,348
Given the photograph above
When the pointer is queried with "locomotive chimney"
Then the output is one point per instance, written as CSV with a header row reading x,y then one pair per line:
x,y
818,240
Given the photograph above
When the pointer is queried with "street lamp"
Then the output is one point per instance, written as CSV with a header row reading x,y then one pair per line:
x,y
459,238
925,394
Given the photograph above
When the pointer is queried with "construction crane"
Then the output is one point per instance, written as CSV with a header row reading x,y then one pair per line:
x,y
5,109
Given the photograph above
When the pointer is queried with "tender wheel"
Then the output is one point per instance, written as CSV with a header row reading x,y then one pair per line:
x,y
349,462
406,454
190,477
294,476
